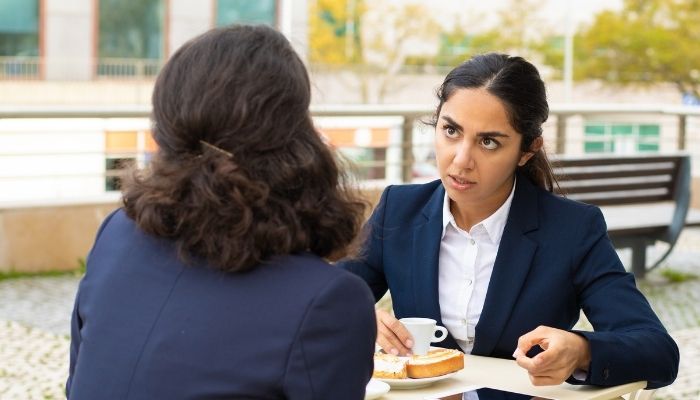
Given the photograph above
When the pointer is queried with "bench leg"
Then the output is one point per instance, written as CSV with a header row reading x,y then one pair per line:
x,y
639,259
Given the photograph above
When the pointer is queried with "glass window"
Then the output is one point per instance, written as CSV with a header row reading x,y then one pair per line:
x,y
130,37
622,129
594,147
649,130
19,28
246,11
19,38
124,149
621,138
595,129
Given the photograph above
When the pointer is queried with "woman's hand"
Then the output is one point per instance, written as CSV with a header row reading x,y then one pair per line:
x,y
392,336
564,352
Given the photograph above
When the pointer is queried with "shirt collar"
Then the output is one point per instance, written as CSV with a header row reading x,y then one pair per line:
x,y
493,224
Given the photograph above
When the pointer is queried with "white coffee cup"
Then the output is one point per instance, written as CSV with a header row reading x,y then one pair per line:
x,y
424,332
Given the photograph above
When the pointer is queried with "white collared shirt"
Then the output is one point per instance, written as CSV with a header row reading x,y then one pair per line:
x,y
465,265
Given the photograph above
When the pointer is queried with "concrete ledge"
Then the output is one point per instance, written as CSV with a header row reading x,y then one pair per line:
x,y
49,238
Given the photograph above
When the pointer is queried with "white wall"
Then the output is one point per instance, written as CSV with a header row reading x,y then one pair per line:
x,y
44,161
188,19
294,17
69,39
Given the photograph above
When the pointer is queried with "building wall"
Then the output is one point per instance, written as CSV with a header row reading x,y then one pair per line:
x,y
294,17
187,20
34,239
69,39
48,160
51,238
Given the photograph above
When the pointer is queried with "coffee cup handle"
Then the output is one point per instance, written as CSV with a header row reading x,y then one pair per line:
x,y
443,334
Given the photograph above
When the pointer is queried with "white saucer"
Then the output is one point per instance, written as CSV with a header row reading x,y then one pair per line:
x,y
411,383
376,389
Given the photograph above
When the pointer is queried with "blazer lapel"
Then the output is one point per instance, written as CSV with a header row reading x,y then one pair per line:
x,y
510,269
426,249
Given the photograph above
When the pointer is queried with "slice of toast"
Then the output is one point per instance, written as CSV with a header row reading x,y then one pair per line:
x,y
437,362
389,366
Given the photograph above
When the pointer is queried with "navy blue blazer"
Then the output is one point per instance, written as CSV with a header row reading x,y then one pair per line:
x,y
146,326
555,259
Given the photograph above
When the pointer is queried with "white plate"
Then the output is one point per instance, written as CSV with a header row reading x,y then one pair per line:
x,y
411,383
376,389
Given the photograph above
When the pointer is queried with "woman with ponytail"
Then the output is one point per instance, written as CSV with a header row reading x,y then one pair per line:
x,y
212,281
492,254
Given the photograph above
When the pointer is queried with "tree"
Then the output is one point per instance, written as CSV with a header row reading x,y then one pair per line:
x,y
369,41
334,31
647,42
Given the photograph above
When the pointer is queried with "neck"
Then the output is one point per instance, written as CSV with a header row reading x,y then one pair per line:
x,y
467,215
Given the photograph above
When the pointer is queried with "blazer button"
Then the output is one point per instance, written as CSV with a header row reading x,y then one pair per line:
x,y
606,373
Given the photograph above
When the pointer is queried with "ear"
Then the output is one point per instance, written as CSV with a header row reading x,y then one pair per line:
x,y
534,148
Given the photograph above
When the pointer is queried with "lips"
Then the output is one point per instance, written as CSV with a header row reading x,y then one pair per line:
x,y
460,183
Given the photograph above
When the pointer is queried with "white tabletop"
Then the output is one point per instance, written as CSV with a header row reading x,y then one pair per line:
x,y
507,375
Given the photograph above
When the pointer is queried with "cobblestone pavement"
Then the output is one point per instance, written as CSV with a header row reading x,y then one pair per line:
x,y
35,315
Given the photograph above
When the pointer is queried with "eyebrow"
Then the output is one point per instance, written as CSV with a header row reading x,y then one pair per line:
x,y
481,134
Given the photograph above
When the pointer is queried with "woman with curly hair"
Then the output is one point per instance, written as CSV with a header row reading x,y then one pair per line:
x,y
212,280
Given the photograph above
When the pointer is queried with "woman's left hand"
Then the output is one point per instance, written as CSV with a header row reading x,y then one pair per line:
x,y
564,352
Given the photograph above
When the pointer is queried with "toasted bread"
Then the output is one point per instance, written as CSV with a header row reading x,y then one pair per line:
x,y
437,362
389,366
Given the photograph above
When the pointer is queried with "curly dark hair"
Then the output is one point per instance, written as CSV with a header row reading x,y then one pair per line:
x,y
241,174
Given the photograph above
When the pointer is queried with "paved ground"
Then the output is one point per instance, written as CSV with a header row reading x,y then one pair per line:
x,y
35,314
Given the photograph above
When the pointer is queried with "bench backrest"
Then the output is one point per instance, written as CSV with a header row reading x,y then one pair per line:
x,y
615,180
620,180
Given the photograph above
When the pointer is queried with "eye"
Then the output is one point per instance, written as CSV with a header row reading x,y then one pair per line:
x,y
489,143
450,131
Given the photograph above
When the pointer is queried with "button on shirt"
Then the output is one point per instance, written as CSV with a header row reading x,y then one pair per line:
x,y
465,265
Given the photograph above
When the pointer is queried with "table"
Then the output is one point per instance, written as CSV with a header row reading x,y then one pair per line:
x,y
505,374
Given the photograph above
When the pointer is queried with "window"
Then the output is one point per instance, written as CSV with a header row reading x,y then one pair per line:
x,y
130,37
124,149
367,147
19,38
246,11
621,138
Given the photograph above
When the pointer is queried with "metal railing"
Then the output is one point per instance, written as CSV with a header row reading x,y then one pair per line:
x,y
560,137
125,68
32,68
20,68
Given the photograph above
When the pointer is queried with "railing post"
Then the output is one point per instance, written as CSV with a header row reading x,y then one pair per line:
x,y
407,148
561,133
682,126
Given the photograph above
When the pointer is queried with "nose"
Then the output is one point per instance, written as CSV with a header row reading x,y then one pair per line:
x,y
464,159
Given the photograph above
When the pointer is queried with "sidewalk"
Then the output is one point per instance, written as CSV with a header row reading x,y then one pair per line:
x,y
35,328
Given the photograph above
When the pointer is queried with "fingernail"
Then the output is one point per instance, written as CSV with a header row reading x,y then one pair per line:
x,y
394,352
517,353
409,343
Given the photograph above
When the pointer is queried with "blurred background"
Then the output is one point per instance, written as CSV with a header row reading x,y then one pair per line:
x,y
76,76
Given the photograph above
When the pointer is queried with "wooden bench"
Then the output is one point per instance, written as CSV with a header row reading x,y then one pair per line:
x,y
644,199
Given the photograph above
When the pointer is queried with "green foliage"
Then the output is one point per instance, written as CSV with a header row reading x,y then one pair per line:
x,y
678,276
647,42
334,31
12,274
459,45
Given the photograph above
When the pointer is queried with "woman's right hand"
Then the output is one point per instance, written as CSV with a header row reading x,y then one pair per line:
x,y
392,336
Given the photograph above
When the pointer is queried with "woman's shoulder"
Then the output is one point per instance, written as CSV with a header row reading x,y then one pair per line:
x,y
560,208
410,199
418,190
310,274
